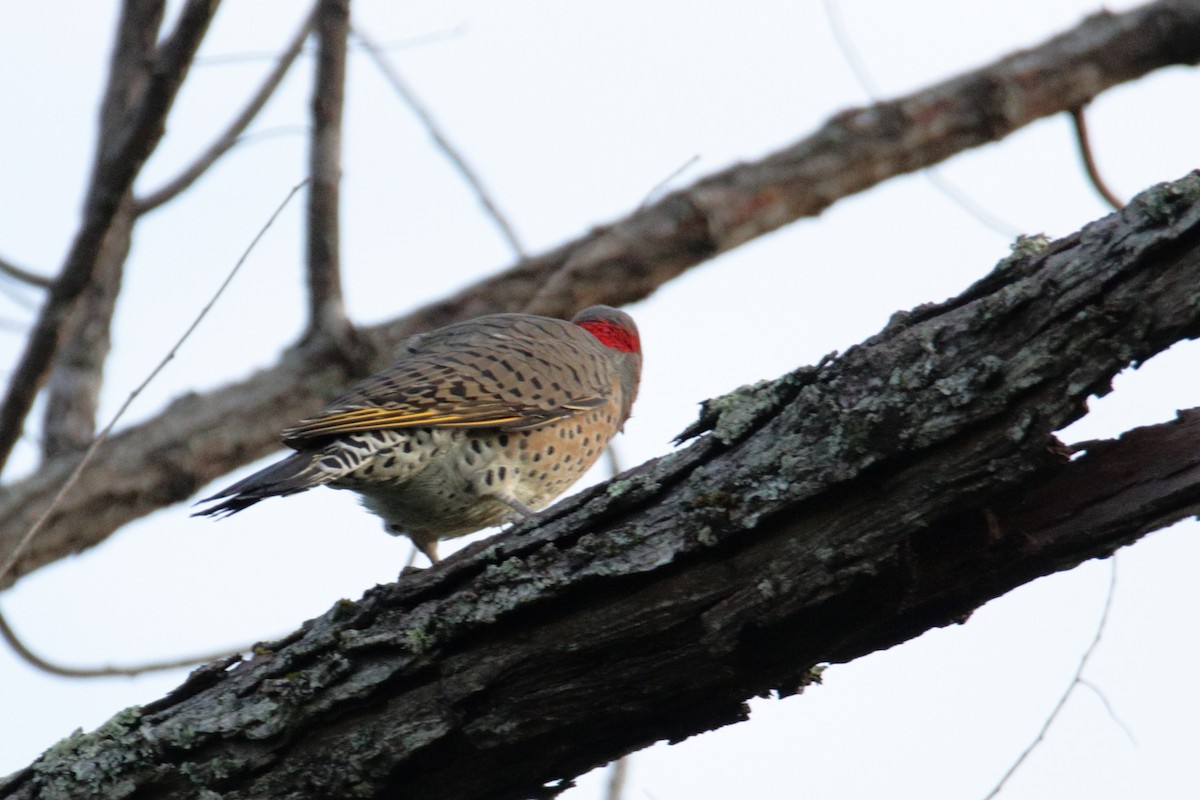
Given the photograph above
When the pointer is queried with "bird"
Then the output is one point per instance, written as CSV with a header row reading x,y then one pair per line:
x,y
479,423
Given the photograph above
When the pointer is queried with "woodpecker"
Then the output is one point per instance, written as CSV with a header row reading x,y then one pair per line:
x,y
478,423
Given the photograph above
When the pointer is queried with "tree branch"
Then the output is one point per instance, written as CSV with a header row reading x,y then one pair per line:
x,y
118,161
1079,123
836,511
456,159
23,275
233,134
201,437
326,311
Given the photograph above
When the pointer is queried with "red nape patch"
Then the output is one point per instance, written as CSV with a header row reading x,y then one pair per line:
x,y
612,335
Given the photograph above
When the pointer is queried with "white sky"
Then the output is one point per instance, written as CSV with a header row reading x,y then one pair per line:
x,y
572,113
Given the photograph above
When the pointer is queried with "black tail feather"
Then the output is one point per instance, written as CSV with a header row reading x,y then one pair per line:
x,y
293,474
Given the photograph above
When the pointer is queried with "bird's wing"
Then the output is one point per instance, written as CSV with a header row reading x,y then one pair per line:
x,y
433,391
335,421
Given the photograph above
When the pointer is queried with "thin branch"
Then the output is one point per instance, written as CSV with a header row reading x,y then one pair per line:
x,y
1076,680
439,139
661,185
23,275
1112,713
327,313
858,66
118,162
967,204
1089,161
618,771
233,134
9,636
415,41
15,554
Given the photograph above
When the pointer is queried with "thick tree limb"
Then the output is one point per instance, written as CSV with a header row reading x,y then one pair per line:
x,y
200,438
838,510
118,161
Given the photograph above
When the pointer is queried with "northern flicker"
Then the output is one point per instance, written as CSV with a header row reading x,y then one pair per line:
x,y
478,423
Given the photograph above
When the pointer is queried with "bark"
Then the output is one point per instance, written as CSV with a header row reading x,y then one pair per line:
x,y
840,509
201,437
73,387
326,312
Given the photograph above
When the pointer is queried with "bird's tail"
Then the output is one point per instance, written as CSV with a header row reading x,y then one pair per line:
x,y
293,474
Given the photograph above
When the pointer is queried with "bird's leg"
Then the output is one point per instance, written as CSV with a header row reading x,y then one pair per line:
x,y
428,547
520,511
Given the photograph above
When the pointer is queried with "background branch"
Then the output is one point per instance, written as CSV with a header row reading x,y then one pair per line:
x,y
327,314
439,139
118,162
167,458
1079,123
23,275
233,134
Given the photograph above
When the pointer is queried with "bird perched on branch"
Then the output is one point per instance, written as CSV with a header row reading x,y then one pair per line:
x,y
478,423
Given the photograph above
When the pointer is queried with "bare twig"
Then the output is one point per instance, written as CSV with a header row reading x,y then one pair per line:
x,y
23,275
1089,161
854,60
232,135
661,185
414,41
37,662
1075,681
618,771
435,132
12,557
327,313
118,162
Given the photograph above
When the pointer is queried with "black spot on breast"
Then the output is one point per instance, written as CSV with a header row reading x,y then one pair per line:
x,y
502,439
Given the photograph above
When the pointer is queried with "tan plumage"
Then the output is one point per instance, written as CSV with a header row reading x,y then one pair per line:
x,y
476,423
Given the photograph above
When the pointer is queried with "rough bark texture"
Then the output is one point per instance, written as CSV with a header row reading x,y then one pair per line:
x,y
200,437
835,511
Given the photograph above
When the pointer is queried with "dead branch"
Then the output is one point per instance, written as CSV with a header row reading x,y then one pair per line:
x,y
118,162
456,159
233,134
201,437
1079,123
14,642
327,313
838,510
23,275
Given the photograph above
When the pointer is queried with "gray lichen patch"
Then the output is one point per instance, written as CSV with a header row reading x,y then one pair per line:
x,y
105,759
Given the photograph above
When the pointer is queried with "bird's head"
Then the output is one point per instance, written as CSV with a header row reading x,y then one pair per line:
x,y
617,331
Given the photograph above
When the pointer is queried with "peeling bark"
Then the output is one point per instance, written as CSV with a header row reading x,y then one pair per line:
x,y
838,510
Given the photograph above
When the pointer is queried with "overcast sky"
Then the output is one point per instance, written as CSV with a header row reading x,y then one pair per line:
x,y
573,112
